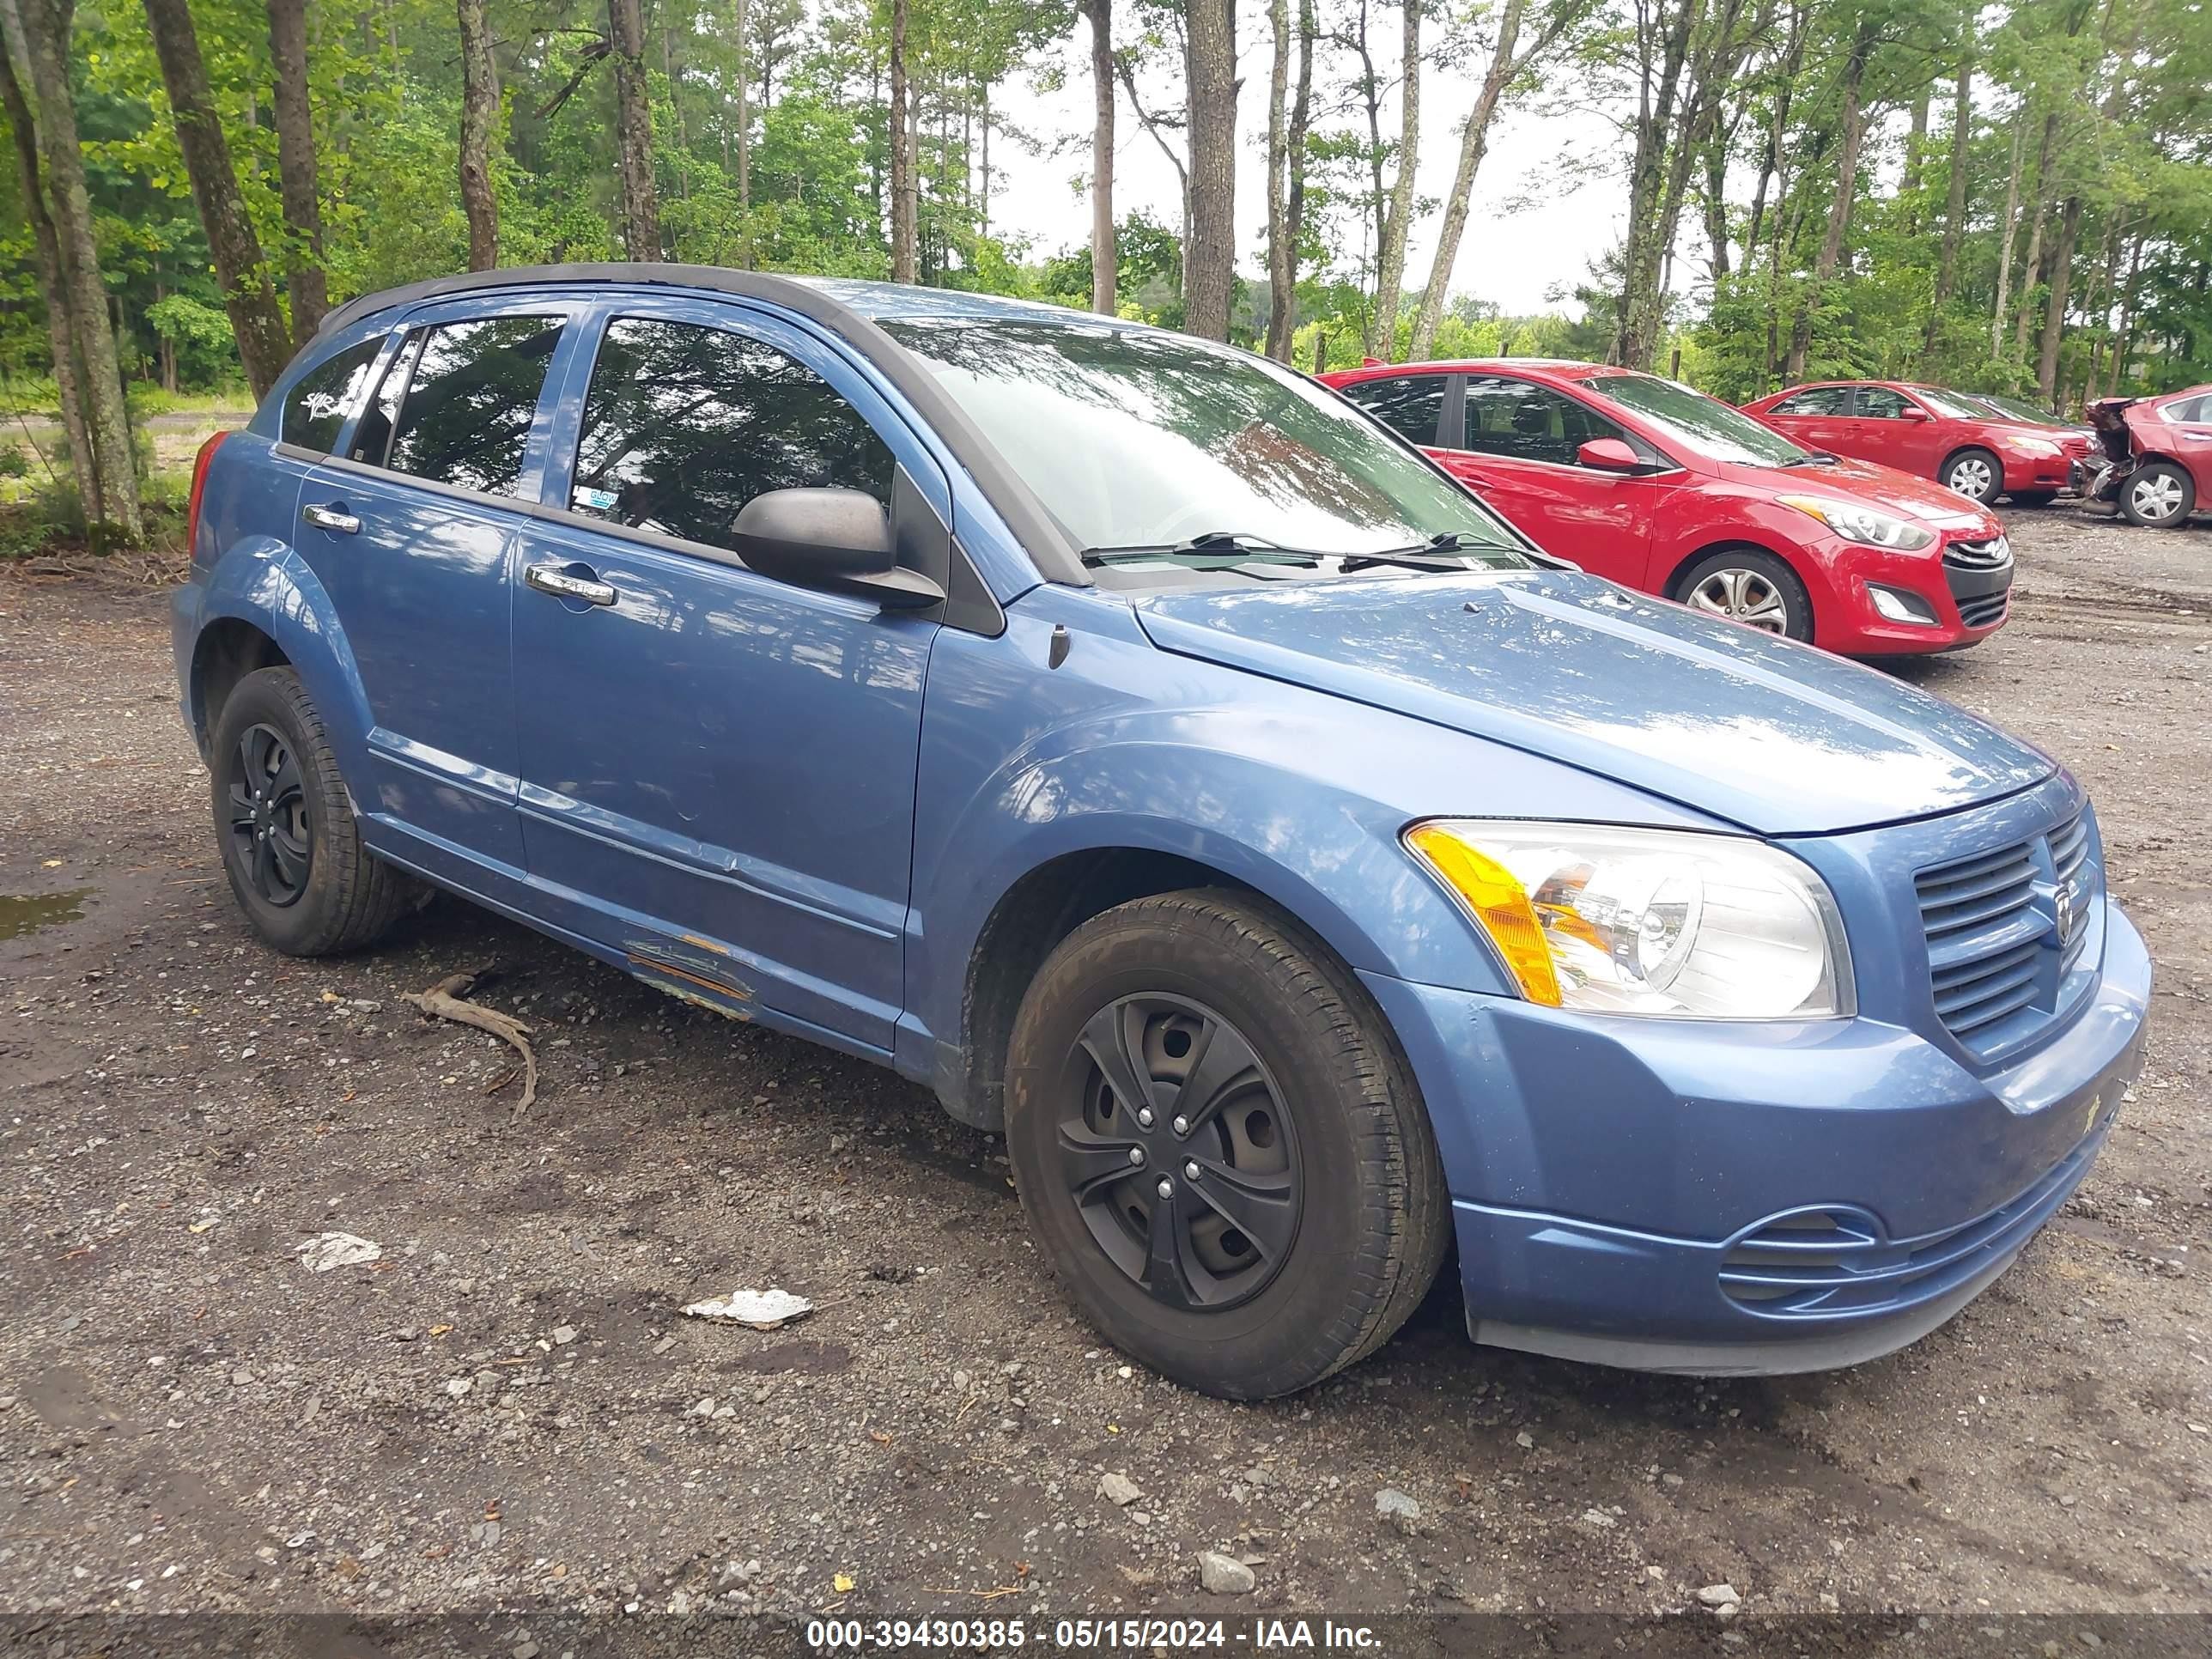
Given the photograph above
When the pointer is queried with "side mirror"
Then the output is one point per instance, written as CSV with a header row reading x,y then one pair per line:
x,y
838,539
1909,413
1608,455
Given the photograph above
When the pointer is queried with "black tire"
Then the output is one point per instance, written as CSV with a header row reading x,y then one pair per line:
x,y
2033,497
2158,496
1975,473
274,790
1751,576
1326,1095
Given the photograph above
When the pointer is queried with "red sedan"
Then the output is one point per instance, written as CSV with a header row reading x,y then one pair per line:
x,y
1963,445
1663,489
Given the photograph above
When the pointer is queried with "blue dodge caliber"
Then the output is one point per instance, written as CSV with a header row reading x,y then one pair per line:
x,y
1172,769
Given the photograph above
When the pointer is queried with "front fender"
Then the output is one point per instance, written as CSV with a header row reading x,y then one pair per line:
x,y
265,584
1297,794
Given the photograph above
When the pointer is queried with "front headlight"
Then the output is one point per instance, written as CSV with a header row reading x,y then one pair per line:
x,y
2038,447
1856,522
1646,921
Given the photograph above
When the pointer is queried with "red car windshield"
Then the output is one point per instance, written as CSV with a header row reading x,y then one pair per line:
x,y
1956,408
1705,424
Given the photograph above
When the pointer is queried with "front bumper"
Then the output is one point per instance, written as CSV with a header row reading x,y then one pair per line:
x,y
1697,1197
2033,474
1968,604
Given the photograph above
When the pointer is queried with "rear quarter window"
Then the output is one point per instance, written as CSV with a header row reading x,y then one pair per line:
x,y
320,404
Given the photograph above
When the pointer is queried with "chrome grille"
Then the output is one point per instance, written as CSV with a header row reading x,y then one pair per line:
x,y
1998,949
1988,555
2069,853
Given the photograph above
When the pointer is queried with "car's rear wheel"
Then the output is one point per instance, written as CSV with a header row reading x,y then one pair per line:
x,y
1748,586
2159,497
1976,474
290,843
2033,497
1226,1162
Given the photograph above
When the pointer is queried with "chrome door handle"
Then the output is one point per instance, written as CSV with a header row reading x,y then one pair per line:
x,y
335,520
554,580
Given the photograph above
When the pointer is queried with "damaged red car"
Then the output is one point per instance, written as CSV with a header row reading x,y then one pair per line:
x,y
2156,467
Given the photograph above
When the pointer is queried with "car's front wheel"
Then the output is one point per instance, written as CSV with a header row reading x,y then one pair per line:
x,y
2159,497
1748,586
290,843
1976,474
1226,1161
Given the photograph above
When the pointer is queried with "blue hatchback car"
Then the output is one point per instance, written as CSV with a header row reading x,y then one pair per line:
x,y
1173,770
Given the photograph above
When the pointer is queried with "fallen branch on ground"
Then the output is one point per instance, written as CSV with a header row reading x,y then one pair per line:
x,y
447,999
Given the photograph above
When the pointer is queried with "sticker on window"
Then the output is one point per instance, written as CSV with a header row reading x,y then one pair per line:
x,y
598,501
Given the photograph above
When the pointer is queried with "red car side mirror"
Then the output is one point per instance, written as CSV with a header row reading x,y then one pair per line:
x,y
1608,455
1909,413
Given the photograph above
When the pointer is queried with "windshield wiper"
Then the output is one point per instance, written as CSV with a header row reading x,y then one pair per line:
x,y
1812,458
1446,551
1212,550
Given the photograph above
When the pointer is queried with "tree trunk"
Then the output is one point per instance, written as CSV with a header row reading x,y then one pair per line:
x,y
2061,280
1853,121
1105,252
1715,195
40,31
1915,149
2031,268
1772,158
905,202
1954,203
1294,161
1474,144
263,344
479,122
46,247
641,203
1282,257
1390,273
1642,252
744,120
304,279
2123,342
1210,262
2005,227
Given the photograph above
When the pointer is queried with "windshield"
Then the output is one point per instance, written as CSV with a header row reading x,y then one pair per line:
x,y
1705,424
2019,409
1956,406
1152,446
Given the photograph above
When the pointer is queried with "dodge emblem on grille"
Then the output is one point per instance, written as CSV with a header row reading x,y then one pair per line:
x,y
2069,916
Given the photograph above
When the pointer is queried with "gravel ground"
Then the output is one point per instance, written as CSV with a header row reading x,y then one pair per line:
x,y
507,1410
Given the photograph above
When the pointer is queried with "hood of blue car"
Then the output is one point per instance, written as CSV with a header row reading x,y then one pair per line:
x,y
1779,738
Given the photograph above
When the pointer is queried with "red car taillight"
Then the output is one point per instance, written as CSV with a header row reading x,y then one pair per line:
x,y
199,485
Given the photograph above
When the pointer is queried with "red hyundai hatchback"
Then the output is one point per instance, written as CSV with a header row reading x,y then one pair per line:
x,y
1660,488
1962,444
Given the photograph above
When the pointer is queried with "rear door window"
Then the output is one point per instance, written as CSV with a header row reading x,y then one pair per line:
x,y
325,395
1411,406
457,405
1879,403
685,424
1819,400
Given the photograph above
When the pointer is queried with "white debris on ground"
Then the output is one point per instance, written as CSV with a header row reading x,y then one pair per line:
x,y
763,1310
324,1251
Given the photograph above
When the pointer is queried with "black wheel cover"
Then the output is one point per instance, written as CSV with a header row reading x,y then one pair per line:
x,y
272,834
1176,1146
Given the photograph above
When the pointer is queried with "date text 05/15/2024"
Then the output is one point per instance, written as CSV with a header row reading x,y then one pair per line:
x,y
833,1635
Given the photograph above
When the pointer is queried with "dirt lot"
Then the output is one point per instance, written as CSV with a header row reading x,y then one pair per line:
x,y
507,1411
